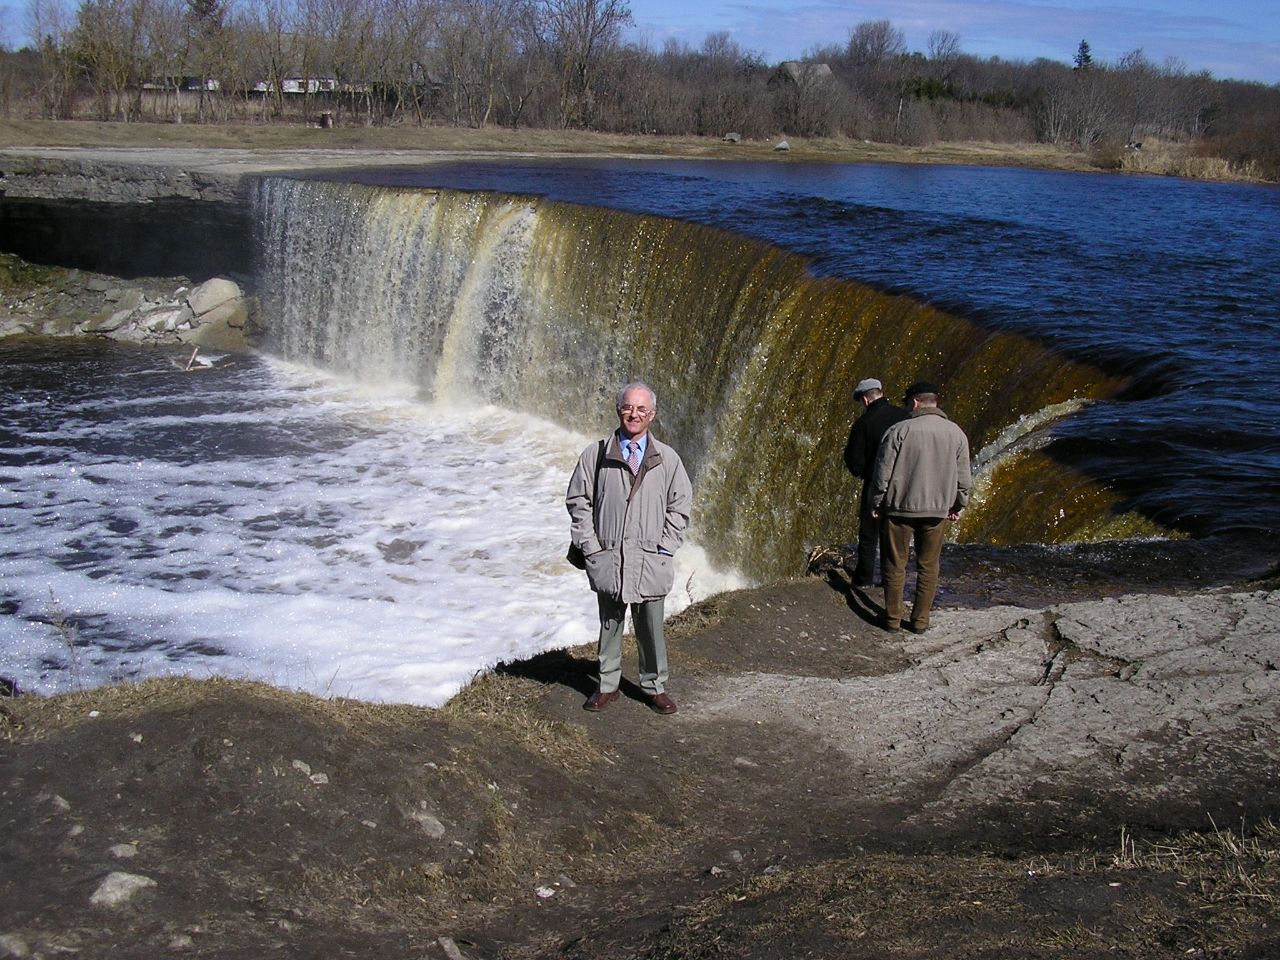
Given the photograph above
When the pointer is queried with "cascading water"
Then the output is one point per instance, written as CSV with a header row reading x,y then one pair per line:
x,y
548,307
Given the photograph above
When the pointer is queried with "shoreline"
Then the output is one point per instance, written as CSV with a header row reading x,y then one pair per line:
x,y
270,145
1014,764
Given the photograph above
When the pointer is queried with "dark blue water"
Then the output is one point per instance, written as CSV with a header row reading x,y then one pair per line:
x,y
1170,280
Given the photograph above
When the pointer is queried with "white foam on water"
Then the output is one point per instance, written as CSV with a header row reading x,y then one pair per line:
x,y
364,545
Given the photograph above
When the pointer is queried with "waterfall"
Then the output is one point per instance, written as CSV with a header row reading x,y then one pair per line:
x,y
549,307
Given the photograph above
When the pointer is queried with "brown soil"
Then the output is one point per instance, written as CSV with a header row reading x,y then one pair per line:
x,y
511,824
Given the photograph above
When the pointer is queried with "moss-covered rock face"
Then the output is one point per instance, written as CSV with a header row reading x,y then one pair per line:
x,y
45,301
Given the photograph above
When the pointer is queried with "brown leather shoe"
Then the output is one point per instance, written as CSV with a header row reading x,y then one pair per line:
x,y
662,703
599,700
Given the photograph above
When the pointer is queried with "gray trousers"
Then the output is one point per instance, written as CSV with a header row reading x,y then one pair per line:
x,y
651,641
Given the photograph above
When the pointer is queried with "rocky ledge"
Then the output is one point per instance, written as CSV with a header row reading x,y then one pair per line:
x,y
52,302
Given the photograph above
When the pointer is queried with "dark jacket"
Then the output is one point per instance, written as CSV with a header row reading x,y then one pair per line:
x,y
868,430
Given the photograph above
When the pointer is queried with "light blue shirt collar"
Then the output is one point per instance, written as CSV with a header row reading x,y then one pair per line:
x,y
624,445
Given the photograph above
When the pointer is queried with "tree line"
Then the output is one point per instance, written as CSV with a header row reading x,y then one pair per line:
x,y
565,64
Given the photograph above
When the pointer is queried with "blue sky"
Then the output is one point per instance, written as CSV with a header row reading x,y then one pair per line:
x,y
1232,39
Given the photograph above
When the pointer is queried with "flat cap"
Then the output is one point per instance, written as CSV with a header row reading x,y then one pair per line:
x,y
920,386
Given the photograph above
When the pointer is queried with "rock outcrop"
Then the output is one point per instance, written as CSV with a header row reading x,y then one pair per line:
x,y
51,302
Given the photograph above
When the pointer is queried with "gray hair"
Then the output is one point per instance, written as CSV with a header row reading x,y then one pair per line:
x,y
638,385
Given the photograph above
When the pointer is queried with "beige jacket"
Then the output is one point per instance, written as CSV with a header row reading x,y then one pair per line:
x,y
620,524
922,467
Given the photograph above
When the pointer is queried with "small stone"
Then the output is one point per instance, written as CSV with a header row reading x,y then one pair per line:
x,y
450,949
59,804
432,827
123,851
319,779
716,872
302,767
545,892
119,888
135,737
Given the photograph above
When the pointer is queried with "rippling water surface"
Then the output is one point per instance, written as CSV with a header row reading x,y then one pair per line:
x,y
1171,280
267,521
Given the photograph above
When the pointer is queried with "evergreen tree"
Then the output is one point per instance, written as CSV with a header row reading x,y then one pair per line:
x,y
1084,59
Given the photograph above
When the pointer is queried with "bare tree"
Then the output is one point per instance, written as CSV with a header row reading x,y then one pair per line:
x,y
50,25
875,42
944,51
581,32
109,40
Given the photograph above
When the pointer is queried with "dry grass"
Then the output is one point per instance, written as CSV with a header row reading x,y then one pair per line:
x,y
36,716
509,704
1162,159
1228,882
85,133
1155,158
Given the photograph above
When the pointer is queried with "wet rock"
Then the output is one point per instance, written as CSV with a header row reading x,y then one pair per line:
x,y
63,303
106,323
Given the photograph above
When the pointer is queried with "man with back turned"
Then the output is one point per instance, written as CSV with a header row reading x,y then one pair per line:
x,y
629,500
919,485
860,457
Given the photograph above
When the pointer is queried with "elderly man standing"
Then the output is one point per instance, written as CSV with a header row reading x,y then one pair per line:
x,y
860,457
920,483
629,499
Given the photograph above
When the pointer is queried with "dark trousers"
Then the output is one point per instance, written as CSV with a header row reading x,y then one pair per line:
x,y
870,534
927,534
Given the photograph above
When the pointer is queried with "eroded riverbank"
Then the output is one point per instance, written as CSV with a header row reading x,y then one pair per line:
x,y
1019,781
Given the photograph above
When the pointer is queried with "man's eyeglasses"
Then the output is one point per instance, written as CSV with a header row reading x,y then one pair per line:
x,y
629,408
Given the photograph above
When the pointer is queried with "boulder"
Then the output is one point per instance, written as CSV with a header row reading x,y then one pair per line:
x,y
221,328
106,322
213,293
